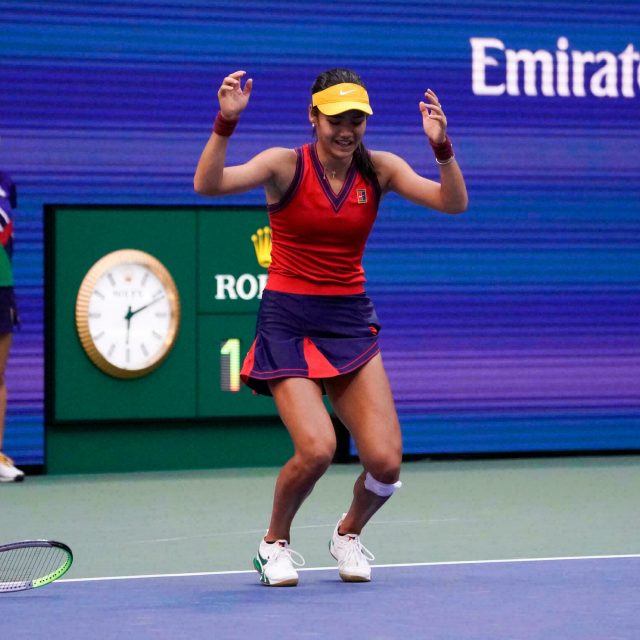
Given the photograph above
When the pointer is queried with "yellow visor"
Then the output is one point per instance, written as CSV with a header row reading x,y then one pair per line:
x,y
340,98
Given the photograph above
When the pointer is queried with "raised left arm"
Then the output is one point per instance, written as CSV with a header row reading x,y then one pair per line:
x,y
450,194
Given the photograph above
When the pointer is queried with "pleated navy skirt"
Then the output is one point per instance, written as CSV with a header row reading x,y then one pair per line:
x,y
310,336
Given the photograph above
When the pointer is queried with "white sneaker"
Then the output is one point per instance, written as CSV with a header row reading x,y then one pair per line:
x,y
9,472
352,556
275,564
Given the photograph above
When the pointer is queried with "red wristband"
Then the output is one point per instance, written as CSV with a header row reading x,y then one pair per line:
x,y
443,151
223,126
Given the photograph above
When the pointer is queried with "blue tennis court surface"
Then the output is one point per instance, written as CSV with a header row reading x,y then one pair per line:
x,y
551,599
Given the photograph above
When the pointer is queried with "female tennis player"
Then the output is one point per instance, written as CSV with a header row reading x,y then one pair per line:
x,y
316,328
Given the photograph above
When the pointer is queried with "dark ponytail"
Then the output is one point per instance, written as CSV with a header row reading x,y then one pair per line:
x,y
361,155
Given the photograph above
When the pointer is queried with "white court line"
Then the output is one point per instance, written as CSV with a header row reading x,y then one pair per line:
x,y
375,566
329,525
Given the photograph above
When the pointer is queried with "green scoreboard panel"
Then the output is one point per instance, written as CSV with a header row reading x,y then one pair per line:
x,y
230,283
217,258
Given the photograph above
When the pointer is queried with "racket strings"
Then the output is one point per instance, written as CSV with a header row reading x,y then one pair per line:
x,y
23,565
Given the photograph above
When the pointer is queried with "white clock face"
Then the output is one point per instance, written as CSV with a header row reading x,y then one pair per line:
x,y
129,316
127,313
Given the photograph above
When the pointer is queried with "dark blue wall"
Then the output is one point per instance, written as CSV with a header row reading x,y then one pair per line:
x,y
513,327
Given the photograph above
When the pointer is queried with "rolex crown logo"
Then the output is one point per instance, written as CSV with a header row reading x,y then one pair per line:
x,y
262,243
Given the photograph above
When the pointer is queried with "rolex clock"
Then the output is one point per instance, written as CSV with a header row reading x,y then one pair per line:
x,y
127,313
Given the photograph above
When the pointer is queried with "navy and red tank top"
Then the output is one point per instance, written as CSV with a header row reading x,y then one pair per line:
x,y
319,236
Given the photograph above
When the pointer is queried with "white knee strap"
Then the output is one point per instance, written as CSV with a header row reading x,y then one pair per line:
x,y
380,488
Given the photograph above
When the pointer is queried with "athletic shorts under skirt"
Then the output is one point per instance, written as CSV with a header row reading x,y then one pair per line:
x,y
310,336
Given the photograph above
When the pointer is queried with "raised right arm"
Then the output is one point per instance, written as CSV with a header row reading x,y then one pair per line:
x,y
272,168
212,178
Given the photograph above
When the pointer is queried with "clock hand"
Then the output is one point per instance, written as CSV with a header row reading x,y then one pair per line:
x,y
128,319
130,313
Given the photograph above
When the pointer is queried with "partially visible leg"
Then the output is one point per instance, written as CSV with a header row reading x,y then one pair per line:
x,y
364,403
299,402
300,405
5,345
8,471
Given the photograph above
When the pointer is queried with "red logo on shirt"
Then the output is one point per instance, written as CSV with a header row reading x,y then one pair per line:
x,y
362,196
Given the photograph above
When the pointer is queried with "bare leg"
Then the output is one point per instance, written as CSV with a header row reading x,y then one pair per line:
x,y
5,345
302,410
364,403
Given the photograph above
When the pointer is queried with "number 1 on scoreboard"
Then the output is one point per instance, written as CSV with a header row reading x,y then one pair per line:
x,y
230,365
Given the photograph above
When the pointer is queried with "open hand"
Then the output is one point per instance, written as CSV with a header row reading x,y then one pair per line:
x,y
232,97
434,121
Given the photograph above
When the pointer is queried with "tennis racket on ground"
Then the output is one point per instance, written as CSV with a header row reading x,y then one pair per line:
x,y
32,563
